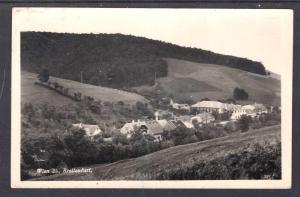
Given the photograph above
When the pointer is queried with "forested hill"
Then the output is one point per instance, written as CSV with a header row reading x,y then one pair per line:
x,y
113,60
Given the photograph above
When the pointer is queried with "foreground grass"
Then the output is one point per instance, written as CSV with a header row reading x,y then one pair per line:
x,y
253,161
251,155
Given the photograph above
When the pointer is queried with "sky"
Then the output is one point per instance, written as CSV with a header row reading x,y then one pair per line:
x,y
260,35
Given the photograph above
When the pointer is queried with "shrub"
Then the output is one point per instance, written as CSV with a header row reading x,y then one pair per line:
x,y
244,123
231,127
43,75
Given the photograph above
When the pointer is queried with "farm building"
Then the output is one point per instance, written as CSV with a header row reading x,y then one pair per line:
x,y
249,110
130,127
90,130
204,118
248,107
179,106
210,106
237,113
149,127
167,125
152,127
186,121
260,108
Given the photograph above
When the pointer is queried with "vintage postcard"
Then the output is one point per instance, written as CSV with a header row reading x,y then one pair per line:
x,y
151,98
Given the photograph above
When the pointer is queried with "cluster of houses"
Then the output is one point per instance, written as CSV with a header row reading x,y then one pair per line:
x,y
204,114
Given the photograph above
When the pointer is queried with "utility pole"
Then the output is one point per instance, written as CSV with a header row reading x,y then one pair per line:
x,y
154,77
81,76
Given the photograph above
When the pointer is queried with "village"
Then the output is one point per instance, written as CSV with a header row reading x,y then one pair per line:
x,y
182,98
198,114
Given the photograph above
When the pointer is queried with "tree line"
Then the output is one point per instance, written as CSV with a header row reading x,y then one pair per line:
x,y
113,60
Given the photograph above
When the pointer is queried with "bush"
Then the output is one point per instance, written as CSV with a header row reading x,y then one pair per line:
x,y
43,75
180,135
231,127
244,123
209,131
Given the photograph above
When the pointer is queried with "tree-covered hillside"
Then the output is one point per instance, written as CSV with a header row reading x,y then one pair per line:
x,y
113,60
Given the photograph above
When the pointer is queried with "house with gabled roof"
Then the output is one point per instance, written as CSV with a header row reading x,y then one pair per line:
x,y
186,121
90,130
150,127
154,128
210,106
129,127
167,125
203,118
253,110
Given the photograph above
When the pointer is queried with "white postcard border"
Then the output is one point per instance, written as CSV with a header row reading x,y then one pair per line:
x,y
286,133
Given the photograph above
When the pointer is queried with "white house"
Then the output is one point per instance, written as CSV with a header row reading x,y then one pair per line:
x,y
151,127
186,120
237,113
249,110
179,106
90,130
248,107
129,127
203,118
210,106
260,108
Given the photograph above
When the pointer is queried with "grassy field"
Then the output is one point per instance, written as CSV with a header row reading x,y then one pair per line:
x,y
193,81
37,94
151,165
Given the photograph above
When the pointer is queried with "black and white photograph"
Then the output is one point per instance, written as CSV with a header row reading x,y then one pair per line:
x,y
151,98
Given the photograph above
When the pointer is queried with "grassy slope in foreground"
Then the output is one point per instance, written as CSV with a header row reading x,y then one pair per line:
x,y
188,80
143,168
39,95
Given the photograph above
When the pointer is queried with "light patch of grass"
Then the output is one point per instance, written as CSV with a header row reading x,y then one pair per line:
x,y
36,94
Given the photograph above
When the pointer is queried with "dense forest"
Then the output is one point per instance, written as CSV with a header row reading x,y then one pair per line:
x,y
113,60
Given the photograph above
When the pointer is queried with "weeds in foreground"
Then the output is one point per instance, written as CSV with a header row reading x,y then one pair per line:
x,y
255,161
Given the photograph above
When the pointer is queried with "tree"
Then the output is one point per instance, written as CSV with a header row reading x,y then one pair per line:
x,y
142,109
240,94
244,123
44,75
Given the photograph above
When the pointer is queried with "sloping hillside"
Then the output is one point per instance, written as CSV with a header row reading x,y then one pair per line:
x,y
113,60
151,165
194,81
37,94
